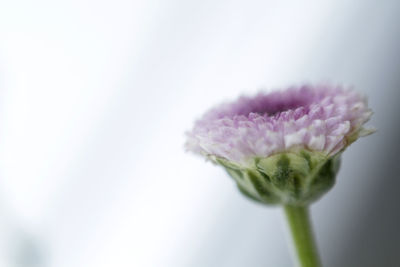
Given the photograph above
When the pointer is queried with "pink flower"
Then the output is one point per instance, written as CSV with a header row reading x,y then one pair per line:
x,y
316,118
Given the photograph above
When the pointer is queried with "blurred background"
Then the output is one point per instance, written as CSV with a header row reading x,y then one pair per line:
x,y
95,97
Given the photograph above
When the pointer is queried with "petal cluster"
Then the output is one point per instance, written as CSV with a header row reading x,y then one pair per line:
x,y
317,118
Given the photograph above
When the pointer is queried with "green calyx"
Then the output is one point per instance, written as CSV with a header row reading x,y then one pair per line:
x,y
290,178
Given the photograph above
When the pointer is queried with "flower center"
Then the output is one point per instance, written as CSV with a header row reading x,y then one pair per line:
x,y
274,104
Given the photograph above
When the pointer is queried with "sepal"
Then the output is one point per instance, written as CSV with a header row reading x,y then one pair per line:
x,y
291,178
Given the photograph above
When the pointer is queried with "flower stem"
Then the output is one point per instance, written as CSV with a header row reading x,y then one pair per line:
x,y
301,232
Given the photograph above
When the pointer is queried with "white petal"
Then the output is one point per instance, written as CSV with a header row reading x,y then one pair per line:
x,y
295,138
317,142
341,129
331,142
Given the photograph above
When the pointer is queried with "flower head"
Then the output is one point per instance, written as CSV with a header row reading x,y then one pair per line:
x,y
299,131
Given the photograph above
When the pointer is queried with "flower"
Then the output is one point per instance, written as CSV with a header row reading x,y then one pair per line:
x,y
283,146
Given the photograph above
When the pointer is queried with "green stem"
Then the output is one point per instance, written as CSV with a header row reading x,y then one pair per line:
x,y
301,231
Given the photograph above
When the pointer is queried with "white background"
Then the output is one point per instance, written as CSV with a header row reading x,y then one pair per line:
x,y
95,99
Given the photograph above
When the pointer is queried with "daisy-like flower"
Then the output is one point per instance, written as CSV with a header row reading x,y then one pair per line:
x,y
284,146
